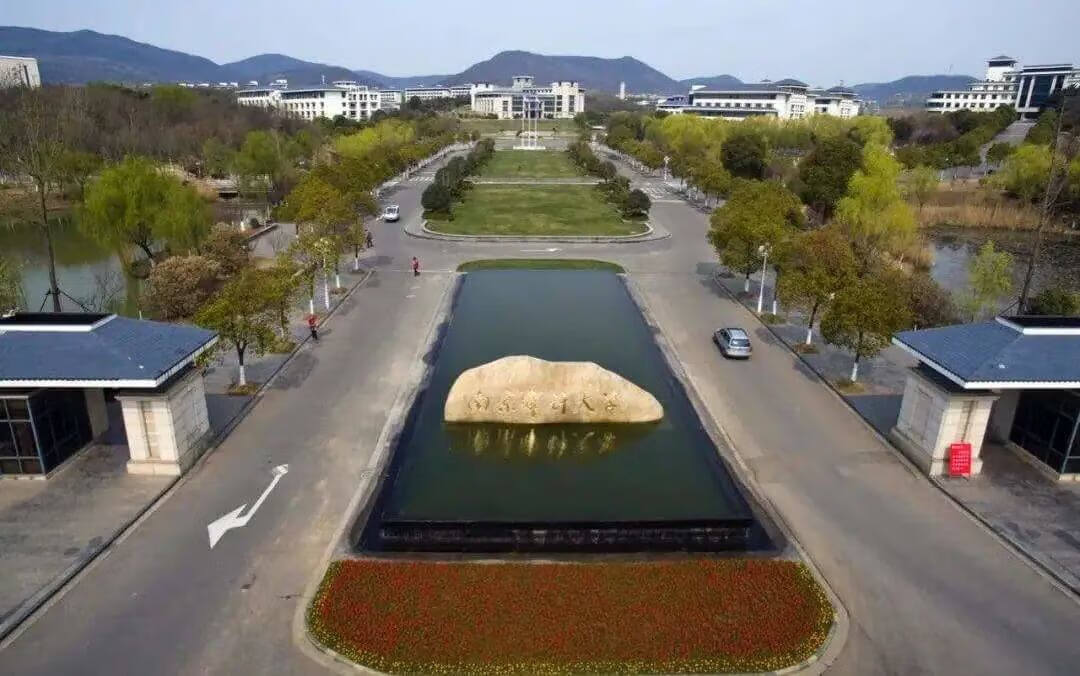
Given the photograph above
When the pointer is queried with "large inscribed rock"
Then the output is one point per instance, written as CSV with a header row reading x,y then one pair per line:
x,y
527,390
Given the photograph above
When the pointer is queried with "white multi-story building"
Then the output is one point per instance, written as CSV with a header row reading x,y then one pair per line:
x,y
390,99
263,97
786,99
19,71
562,99
427,93
344,97
1025,88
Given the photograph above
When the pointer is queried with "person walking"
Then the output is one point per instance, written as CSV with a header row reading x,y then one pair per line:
x,y
313,326
415,266
368,241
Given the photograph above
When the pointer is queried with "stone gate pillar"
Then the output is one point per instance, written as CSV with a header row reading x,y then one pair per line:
x,y
166,428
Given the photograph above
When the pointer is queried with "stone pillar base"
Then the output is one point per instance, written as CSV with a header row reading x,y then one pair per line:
x,y
160,467
922,459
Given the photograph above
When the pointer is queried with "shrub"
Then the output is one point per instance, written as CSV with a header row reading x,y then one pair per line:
x,y
178,286
226,247
1055,301
637,204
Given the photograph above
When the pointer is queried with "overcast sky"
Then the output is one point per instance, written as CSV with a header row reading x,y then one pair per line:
x,y
820,41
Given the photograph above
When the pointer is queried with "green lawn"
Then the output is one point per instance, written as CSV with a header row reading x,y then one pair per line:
x,y
495,126
539,264
529,164
535,210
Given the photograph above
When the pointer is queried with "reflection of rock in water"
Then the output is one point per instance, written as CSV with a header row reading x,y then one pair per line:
x,y
543,442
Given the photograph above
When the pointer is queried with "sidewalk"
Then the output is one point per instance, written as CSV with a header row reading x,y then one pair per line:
x,y
1038,516
50,529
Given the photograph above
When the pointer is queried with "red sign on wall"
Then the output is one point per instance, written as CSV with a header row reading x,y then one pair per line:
x,y
960,459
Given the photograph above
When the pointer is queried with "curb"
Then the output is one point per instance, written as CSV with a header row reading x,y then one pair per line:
x,y
16,620
1003,539
365,492
838,632
650,235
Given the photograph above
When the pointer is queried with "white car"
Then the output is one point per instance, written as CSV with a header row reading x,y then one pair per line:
x,y
391,213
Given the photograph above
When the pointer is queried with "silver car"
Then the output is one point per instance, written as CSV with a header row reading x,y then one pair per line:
x,y
391,213
733,342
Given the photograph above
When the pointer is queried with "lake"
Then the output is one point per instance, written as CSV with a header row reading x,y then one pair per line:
x,y
82,266
953,249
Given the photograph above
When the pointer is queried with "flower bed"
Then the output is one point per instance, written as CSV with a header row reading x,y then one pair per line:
x,y
708,615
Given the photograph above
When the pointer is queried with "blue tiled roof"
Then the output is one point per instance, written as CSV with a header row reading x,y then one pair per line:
x,y
995,352
120,349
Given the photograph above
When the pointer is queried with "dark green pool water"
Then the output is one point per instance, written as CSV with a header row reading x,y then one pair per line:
x,y
661,471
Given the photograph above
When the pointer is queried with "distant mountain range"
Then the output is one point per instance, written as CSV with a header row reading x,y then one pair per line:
x,y
910,89
84,56
592,72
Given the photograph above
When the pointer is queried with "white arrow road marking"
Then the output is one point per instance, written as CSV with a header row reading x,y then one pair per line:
x,y
547,250
219,527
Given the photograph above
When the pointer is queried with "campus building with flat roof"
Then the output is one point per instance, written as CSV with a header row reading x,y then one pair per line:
x,y
786,99
343,98
1006,83
559,100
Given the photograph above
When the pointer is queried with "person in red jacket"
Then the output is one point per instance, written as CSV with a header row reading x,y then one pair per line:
x,y
415,266
312,323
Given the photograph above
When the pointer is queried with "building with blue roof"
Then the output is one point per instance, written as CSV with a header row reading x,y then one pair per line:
x,y
57,370
1015,380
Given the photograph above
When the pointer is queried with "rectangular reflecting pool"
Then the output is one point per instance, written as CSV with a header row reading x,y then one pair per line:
x,y
580,487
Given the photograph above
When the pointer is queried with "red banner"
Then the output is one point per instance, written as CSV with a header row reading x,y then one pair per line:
x,y
960,459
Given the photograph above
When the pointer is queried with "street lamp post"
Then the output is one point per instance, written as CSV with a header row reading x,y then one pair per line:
x,y
764,251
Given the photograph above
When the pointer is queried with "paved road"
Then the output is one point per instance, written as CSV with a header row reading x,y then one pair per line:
x,y
928,590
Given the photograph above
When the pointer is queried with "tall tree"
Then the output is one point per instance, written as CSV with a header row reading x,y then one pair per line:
x,y
34,143
921,184
990,278
262,163
821,265
743,154
873,214
866,313
756,214
242,316
136,204
217,158
824,173
75,171
284,282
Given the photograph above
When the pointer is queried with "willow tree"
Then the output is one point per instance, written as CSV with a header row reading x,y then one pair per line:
x,y
135,203
873,213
